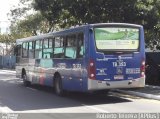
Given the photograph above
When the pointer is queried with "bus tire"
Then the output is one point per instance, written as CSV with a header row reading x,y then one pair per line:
x,y
58,86
25,82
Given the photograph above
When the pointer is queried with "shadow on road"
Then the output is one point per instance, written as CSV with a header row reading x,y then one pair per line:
x,y
18,98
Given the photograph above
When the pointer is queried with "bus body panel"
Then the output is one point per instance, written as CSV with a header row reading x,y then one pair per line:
x,y
117,70
74,72
70,70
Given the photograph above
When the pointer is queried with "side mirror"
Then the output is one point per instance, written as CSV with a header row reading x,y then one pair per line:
x,y
91,29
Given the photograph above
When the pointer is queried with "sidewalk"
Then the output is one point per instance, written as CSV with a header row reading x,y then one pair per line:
x,y
150,92
8,70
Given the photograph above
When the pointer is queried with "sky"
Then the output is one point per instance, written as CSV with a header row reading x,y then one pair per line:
x,y
5,6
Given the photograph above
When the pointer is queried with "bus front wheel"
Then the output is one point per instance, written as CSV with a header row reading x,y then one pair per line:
x,y
58,86
25,82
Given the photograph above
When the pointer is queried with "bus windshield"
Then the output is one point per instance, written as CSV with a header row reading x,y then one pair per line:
x,y
117,38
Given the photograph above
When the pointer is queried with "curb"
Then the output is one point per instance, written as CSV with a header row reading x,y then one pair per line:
x,y
157,87
149,96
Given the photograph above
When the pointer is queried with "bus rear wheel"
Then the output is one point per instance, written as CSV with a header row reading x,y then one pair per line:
x,y
25,82
58,86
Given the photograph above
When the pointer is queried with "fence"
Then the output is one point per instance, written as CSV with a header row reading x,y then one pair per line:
x,y
7,61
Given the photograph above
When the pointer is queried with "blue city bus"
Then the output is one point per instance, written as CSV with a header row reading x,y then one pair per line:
x,y
93,57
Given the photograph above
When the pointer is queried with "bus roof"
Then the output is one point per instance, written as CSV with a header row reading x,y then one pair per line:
x,y
117,24
47,35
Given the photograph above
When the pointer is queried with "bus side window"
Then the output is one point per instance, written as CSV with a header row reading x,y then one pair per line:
x,y
25,50
50,43
47,48
80,48
59,47
45,43
38,49
71,47
31,49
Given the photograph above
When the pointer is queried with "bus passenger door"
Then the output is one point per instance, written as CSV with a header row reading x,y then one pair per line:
x,y
17,53
74,62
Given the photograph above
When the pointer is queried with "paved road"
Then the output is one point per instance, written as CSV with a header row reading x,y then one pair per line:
x,y
15,98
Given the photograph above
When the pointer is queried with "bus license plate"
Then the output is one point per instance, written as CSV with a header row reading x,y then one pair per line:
x,y
118,77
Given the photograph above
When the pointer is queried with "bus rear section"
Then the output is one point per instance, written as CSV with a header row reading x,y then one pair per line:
x,y
117,57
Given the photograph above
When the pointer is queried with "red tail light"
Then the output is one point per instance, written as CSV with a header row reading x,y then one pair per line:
x,y
92,70
143,69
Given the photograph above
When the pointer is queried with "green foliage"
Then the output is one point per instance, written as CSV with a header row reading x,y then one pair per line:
x,y
31,25
76,12
149,15
67,13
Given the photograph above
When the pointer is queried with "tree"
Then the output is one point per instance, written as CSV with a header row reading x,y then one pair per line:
x,y
87,11
20,11
18,16
31,25
50,9
66,13
150,18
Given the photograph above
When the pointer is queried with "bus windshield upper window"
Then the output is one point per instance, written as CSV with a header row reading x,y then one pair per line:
x,y
117,38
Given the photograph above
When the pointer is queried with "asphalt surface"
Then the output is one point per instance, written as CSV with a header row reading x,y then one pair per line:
x,y
149,91
37,102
